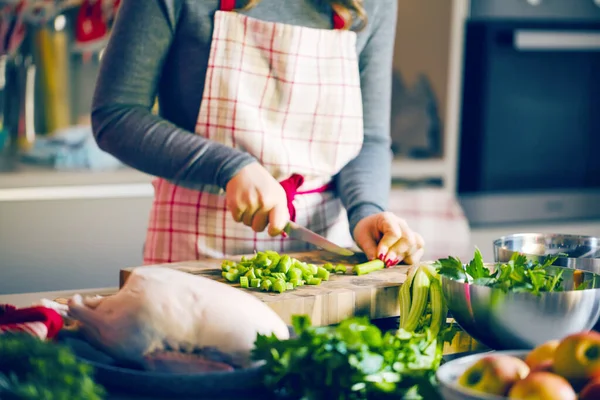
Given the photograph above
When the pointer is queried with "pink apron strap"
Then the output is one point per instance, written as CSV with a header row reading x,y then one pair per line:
x,y
338,22
291,185
227,5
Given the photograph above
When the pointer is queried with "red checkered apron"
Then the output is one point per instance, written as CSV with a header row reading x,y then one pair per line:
x,y
288,95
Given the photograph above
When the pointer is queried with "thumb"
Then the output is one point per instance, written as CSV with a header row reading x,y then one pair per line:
x,y
367,243
278,219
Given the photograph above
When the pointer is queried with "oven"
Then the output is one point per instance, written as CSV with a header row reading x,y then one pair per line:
x,y
529,147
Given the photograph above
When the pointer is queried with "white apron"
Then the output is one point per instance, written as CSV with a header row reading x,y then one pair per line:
x,y
288,95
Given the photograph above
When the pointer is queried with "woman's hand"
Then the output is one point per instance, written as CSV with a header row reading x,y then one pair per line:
x,y
255,198
389,238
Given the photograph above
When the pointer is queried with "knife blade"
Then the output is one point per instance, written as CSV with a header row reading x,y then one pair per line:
x,y
296,231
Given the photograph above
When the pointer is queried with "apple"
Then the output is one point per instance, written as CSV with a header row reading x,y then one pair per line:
x,y
541,358
591,391
577,358
542,386
494,374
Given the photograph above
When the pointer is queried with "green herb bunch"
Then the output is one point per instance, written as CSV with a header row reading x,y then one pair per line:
x,y
351,361
34,369
517,275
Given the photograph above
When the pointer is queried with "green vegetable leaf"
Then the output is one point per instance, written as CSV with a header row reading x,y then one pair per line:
x,y
351,361
475,268
34,369
519,274
452,268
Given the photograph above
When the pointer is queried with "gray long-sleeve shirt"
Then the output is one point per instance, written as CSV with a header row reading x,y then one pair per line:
x,y
161,48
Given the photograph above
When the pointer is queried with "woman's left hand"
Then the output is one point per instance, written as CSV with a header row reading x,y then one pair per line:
x,y
389,238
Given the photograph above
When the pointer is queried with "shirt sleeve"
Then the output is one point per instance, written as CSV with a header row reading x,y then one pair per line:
x,y
364,183
128,79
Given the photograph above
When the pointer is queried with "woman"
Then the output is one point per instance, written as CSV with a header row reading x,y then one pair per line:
x,y
290,109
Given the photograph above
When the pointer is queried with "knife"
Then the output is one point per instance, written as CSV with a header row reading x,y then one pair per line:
x,y
296,231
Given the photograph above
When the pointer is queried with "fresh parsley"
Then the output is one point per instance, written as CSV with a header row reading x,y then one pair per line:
x,y
351,361
517,275
34,369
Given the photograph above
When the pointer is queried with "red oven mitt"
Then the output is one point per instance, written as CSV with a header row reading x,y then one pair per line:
x,y
42,322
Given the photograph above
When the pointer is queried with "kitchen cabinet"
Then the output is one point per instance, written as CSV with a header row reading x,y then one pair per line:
x,y
69,243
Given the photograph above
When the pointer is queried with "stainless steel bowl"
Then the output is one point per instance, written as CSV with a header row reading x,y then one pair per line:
x,y
447,376
514,321
582,252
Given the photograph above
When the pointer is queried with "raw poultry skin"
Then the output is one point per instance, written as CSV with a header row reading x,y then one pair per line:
x,y
167,320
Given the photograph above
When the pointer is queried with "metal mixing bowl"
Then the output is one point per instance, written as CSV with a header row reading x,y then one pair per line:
x,y
512,321
582,252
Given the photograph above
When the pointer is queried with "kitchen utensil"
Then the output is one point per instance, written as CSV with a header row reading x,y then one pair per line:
x,y
581,251
296,231
374,295
448,373
511,320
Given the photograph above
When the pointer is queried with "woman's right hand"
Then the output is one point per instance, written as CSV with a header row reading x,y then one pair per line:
x,y
256,199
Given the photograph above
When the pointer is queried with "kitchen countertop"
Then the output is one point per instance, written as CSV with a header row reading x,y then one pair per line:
x,y
27,299
36,183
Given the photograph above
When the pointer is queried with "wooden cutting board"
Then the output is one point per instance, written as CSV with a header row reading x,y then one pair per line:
x,y
374,295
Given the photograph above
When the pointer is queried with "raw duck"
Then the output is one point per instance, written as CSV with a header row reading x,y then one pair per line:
x,y
167,320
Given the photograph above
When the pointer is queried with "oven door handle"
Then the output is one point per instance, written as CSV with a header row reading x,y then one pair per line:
x,y
537,40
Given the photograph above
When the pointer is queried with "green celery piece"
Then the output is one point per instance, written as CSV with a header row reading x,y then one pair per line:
x,y
250,274
323,273
314,281
368,267
289,286
340,269
244,282
284,264
294,273
232,276
329,267
279,286
255,283
265,285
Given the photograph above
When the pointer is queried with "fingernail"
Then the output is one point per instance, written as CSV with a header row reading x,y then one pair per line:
x,y
381,256
388,263
392,256
284,234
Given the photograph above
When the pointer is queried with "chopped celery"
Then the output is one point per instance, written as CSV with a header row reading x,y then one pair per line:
x,y
285,263
313,281
265,285
255,283
313,269
250,274
294,273
279,286
329,267
244,282
340,269
289,286
323,273
368,267
231,276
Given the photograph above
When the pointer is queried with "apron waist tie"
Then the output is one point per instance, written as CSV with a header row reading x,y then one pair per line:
x,y
291,185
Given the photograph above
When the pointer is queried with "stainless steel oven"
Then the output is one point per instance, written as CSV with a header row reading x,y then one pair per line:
x,y
530,123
